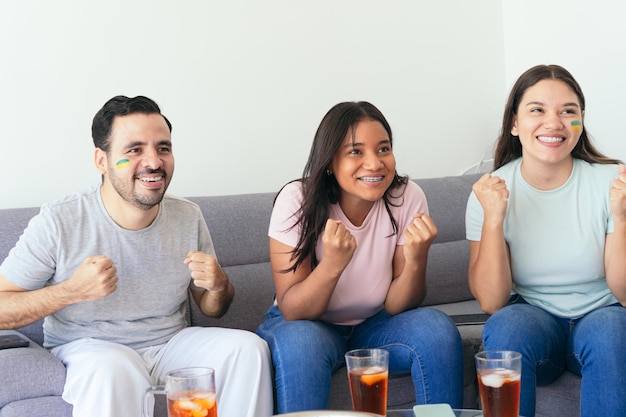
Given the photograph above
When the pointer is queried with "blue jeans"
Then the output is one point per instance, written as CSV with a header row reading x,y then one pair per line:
x,y
423,342
593,346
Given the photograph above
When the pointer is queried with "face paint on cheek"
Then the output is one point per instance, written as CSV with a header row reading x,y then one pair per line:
x,y
577,126
122,163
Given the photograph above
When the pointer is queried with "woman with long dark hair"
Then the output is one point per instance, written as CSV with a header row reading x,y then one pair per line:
x,y
348,246
547,232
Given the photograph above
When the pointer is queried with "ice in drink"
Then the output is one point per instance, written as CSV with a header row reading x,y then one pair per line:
x,y
369,389
499,392
192,404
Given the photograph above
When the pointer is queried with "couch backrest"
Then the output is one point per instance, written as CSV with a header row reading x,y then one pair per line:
x,y
12,224
448,257
238,226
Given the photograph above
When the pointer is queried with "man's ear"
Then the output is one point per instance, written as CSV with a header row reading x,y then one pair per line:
x,y
101,161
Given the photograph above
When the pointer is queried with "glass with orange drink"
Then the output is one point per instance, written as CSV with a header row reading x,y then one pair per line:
x,y
190,392
499,378
368,373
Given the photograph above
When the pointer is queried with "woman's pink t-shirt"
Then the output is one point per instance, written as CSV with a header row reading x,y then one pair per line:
x,y
362,288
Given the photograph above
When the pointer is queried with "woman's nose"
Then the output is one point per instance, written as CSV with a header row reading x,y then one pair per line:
x,y
373,161
553,121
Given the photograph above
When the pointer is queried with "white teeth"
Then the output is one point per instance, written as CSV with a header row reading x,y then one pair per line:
x,y
550,139
371,179
151,179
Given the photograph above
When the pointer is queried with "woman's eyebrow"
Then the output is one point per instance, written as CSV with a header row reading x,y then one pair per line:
x,y
539,103
355,144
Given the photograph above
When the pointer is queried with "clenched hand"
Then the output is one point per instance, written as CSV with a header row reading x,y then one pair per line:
x,y
418,236
94,279
206,271
617,195
493,196
338,244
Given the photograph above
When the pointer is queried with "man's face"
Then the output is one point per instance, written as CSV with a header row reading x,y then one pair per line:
x,y
140,162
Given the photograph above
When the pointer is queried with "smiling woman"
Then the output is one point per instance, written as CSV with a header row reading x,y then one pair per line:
x,y
349,245
364,168
544,124
547,232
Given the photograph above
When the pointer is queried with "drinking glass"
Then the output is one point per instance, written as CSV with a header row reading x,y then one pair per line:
x,y
499,373
190,392
368,372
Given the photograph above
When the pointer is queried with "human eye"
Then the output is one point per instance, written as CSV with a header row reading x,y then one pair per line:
x,y
536,110
354,151
134,147
164,146
570,111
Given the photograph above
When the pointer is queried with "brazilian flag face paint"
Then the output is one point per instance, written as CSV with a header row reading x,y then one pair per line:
x,y
122,163
577,126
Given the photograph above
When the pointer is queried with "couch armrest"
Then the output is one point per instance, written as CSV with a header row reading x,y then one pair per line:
x,y
29,372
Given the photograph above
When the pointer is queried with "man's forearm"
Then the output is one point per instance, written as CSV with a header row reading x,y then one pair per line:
x,y
21,308
216,303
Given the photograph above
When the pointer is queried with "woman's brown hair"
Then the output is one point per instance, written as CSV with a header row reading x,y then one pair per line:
x,y
508,147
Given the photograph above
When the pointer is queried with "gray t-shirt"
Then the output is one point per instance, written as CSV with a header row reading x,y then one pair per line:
x,y
150,304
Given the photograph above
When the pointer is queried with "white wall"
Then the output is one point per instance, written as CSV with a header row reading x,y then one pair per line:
x,y
585,36
245,84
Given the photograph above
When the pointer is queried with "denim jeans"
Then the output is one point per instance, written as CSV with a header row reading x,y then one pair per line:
x,y
593,346
423,342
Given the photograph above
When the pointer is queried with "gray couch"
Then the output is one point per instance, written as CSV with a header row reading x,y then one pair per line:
x,y
32,379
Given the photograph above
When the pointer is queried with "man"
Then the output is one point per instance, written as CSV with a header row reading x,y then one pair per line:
x,y
110,268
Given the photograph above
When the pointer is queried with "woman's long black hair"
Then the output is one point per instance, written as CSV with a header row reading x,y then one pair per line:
x,y
319,186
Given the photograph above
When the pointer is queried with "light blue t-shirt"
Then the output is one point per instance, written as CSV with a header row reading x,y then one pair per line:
x,y
150,304
556,238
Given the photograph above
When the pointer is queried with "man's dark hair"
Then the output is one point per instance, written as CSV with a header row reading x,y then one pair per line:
x,y
119,106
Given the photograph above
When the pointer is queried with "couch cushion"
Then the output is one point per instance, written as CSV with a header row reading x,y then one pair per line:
x,y
29,372
238,226
448,258
13,223
560,398
447,199
53,406
254,294
446,273
33,331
